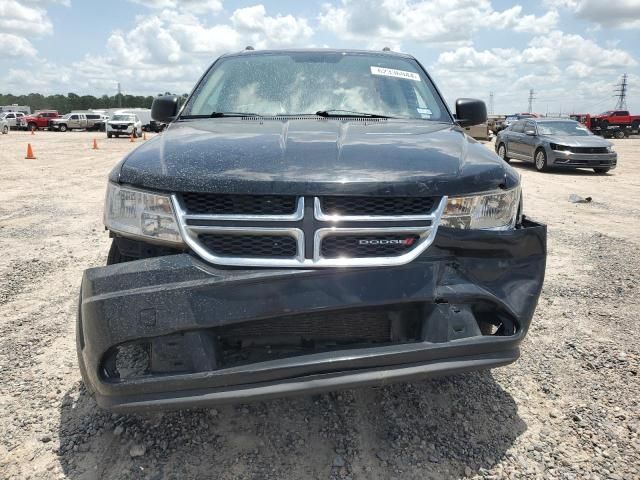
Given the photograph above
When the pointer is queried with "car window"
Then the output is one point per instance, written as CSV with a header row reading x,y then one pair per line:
x,y
518,127
303,83
565,128
11,115
530,126
73,117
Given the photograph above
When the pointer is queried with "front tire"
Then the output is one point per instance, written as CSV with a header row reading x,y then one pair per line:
x,y
32,127
619,134
5,130
134,134
109,135
502,152
540,160
601,171
63,128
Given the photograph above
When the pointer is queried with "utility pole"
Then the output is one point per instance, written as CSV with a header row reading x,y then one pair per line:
x,y
531,99
490,103
621,93
119,96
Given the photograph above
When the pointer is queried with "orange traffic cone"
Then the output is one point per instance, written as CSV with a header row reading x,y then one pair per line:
x,y
131,138
95,144
30,155
144,136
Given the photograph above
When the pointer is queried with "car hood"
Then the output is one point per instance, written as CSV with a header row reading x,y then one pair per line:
x,y
310,156
573,141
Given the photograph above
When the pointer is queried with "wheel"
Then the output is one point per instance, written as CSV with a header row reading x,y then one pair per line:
x,y
604,124
108,134
32,127
541,160
618,134
5,130
602,170
116,256
502,152
63,128
134,133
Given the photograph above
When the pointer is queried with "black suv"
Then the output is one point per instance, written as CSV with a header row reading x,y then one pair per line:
x,y
310,220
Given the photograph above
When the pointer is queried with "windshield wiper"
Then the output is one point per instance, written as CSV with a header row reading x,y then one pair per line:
x,y
221,114
348,113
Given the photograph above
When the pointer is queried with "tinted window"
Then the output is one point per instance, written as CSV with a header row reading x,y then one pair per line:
x,y
93,117
305,82
518,127
74,117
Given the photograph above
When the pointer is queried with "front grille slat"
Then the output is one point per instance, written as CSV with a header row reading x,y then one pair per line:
x,y
588,150
217,204
250,246
377,206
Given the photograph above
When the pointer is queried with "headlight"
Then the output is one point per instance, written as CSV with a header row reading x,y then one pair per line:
x,y
610,149
559,148
141,214
491,211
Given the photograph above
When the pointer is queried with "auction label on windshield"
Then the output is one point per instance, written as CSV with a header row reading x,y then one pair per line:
x,y
392,72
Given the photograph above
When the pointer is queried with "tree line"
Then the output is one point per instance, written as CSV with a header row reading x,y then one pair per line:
x,y
71,101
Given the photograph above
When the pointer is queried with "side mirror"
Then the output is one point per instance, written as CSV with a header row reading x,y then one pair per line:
x,y
164,109
470,111
531,133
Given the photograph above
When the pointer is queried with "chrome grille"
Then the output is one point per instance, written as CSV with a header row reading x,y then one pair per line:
x,y
328,232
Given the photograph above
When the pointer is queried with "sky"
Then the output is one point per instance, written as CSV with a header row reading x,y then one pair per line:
x,y
572,53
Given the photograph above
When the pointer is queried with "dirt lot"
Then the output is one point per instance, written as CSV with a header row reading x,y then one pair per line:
x,y
568,409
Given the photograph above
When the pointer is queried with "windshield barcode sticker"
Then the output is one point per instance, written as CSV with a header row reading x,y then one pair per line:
x,y
392,72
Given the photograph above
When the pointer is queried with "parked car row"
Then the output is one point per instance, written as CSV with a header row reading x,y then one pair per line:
x,y
120,122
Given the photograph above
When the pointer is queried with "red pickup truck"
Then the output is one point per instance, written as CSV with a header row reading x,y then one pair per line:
x,y
39,119
616,118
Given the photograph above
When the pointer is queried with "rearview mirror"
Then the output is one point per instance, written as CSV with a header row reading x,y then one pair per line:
x,y
164,109
530,132
470,111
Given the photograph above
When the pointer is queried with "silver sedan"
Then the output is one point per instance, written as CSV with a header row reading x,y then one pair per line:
x,y
559,143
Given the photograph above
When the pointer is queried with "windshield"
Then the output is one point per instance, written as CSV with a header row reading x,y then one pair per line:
x,y
607,113
123,118
571,129
511,118
306,82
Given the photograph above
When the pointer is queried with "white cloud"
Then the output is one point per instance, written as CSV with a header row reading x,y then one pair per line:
x,y
617,13
263,31
192,6
22,18
560,67
443,22
16,47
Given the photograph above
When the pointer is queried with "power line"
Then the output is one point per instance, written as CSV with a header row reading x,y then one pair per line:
x,y
621,93
531,99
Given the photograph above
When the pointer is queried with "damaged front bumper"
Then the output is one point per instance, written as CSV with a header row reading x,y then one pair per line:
x,y
175,332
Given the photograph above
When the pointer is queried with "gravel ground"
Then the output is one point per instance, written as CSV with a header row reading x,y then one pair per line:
x,y
568,409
